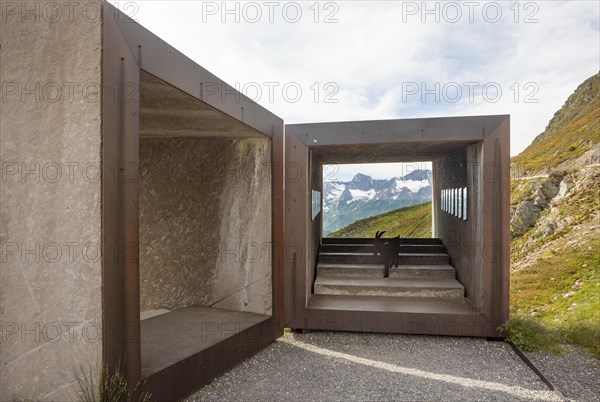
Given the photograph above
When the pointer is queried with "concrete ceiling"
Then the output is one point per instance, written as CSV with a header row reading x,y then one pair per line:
x,y
165,111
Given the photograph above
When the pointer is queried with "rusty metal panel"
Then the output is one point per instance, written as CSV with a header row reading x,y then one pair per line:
x,y
496,217
120,157
296,231
378,141
442,129
278,224
476,325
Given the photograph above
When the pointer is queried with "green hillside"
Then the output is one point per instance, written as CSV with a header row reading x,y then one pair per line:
x,y
555,227
413,221
572,131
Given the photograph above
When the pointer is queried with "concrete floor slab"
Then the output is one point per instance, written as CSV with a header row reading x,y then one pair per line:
x,y
171,337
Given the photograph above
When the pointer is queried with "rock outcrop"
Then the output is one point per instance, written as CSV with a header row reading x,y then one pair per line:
x,y
527,213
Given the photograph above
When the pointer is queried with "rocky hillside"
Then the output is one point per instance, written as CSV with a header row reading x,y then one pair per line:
x,y
363,196
571,138
559,169
555,223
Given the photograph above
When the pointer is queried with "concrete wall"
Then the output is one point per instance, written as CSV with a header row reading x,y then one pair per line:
x,y
50,217
462,238
205,223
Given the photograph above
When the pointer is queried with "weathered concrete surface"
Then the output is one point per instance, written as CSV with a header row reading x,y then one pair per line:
x,y
205,223
50,143
166,111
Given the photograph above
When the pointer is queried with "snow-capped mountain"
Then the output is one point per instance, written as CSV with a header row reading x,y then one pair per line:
x,y
363,196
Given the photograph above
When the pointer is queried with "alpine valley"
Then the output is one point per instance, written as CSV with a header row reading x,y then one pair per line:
x,y
345,202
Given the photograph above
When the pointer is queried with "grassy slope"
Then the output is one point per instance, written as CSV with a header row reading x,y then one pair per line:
x,y
414,221
546,268
540,309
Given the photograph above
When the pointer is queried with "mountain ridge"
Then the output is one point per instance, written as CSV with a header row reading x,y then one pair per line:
x,y
345,202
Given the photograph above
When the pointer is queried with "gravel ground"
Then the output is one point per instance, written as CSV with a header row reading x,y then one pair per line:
x,y
340,366
575,374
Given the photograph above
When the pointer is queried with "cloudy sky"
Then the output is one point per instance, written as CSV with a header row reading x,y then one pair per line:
x,y
361,60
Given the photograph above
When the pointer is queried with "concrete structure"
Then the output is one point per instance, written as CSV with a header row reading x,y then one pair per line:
x,y
142,217
51,274
466,152
128,192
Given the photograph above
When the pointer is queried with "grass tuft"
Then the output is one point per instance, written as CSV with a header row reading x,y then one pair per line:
x,y
108,388
531,336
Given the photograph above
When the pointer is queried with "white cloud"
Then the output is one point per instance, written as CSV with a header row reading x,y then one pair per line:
x,y
376,50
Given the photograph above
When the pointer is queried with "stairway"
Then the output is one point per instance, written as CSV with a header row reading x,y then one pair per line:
x,y
347,267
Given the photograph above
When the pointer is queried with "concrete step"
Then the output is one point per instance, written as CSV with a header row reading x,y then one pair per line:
x,y
422,248
423,272
350,270
391,304
368,248
346,248
413,240
414,288
369,258
423,259
376,271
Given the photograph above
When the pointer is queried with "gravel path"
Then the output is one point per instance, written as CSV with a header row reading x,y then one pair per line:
x,y
340,366
575,374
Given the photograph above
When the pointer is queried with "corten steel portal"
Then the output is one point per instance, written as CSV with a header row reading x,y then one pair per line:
x,y
471,152
132,54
